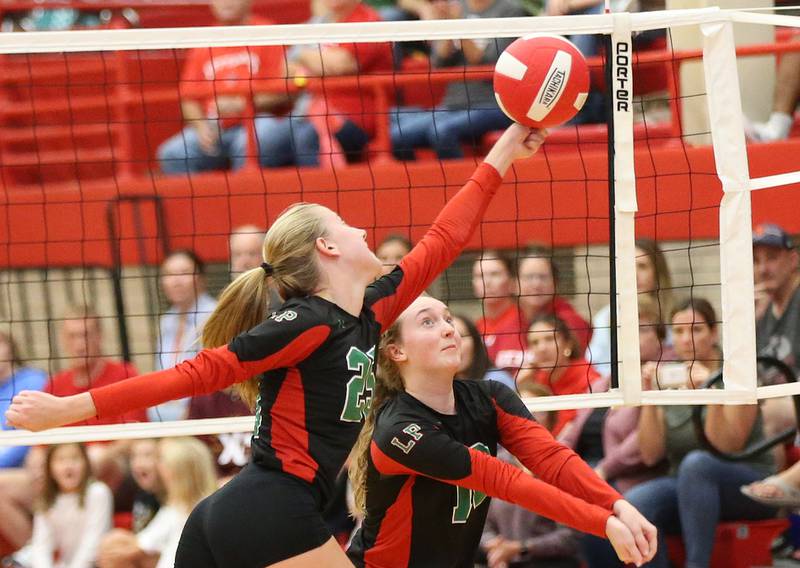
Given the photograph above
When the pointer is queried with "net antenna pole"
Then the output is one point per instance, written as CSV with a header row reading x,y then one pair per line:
x,y
624,317
612,225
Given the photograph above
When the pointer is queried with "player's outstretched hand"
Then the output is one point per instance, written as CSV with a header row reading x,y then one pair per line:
x,y
621,538
35,411
516,143
644,533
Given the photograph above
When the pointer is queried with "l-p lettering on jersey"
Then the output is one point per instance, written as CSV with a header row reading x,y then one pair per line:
x,y
288,315
413,430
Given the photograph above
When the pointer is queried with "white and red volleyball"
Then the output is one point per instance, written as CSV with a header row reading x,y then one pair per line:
x,y
541,80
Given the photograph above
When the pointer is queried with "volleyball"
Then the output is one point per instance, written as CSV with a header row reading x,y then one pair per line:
x,y
541,80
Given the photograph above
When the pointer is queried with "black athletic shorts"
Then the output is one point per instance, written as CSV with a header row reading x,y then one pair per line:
x,y
258,518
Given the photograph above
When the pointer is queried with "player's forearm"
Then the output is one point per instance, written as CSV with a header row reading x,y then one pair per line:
x,y
501,480
501,156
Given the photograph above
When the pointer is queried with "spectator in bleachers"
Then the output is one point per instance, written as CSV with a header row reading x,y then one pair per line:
x,y
216,135
775,265
514,537
538,294
187,470
785,99
230,450
475,363
557,363
700,490
503,325
336,124
14,377
621,464
469,108
590,45
183,281
618,461
147,501
74,512
150,494
245,244
19,489
653,279
391,251
82,343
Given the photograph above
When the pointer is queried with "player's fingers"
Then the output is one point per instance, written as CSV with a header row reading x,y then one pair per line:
x,y
651,533
635,557
641,543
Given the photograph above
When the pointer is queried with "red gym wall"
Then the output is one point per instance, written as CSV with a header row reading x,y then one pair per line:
x,y
66,226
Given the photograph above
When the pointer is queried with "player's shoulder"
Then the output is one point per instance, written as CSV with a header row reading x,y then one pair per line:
x,y
397,414
304,312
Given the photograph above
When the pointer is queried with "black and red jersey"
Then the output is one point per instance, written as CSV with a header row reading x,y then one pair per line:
x,y
315,359
431,475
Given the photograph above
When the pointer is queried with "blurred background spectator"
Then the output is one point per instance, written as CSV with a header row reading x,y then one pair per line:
x,y
557,363
337,125
216,137
700,490
14,378
183,281
514,537
538,293
502,324
391,251
475,363
72,515
653,279
187,471
469,109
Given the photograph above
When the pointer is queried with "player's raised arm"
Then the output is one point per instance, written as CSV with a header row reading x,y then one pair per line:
x,y
452,228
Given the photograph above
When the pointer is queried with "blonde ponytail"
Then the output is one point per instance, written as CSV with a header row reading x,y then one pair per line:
x,y
241,306
388,384
289,248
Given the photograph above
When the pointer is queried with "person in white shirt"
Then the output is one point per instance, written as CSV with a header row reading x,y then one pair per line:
x,y
183,281
187,470
73,514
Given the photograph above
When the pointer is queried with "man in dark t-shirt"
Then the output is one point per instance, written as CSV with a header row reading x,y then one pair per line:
x,y
775,264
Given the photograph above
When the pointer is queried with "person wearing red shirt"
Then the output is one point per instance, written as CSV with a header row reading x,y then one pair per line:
x,y
503,325
538,286
81,340
338,122
558,363
216,136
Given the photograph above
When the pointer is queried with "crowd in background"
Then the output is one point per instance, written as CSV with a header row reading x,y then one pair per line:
x,y
297,127
129,500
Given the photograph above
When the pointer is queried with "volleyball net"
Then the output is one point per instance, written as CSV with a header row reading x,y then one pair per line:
x,y
94,202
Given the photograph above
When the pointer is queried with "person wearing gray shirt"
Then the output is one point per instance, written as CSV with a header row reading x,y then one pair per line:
x,y
469,109
775,264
